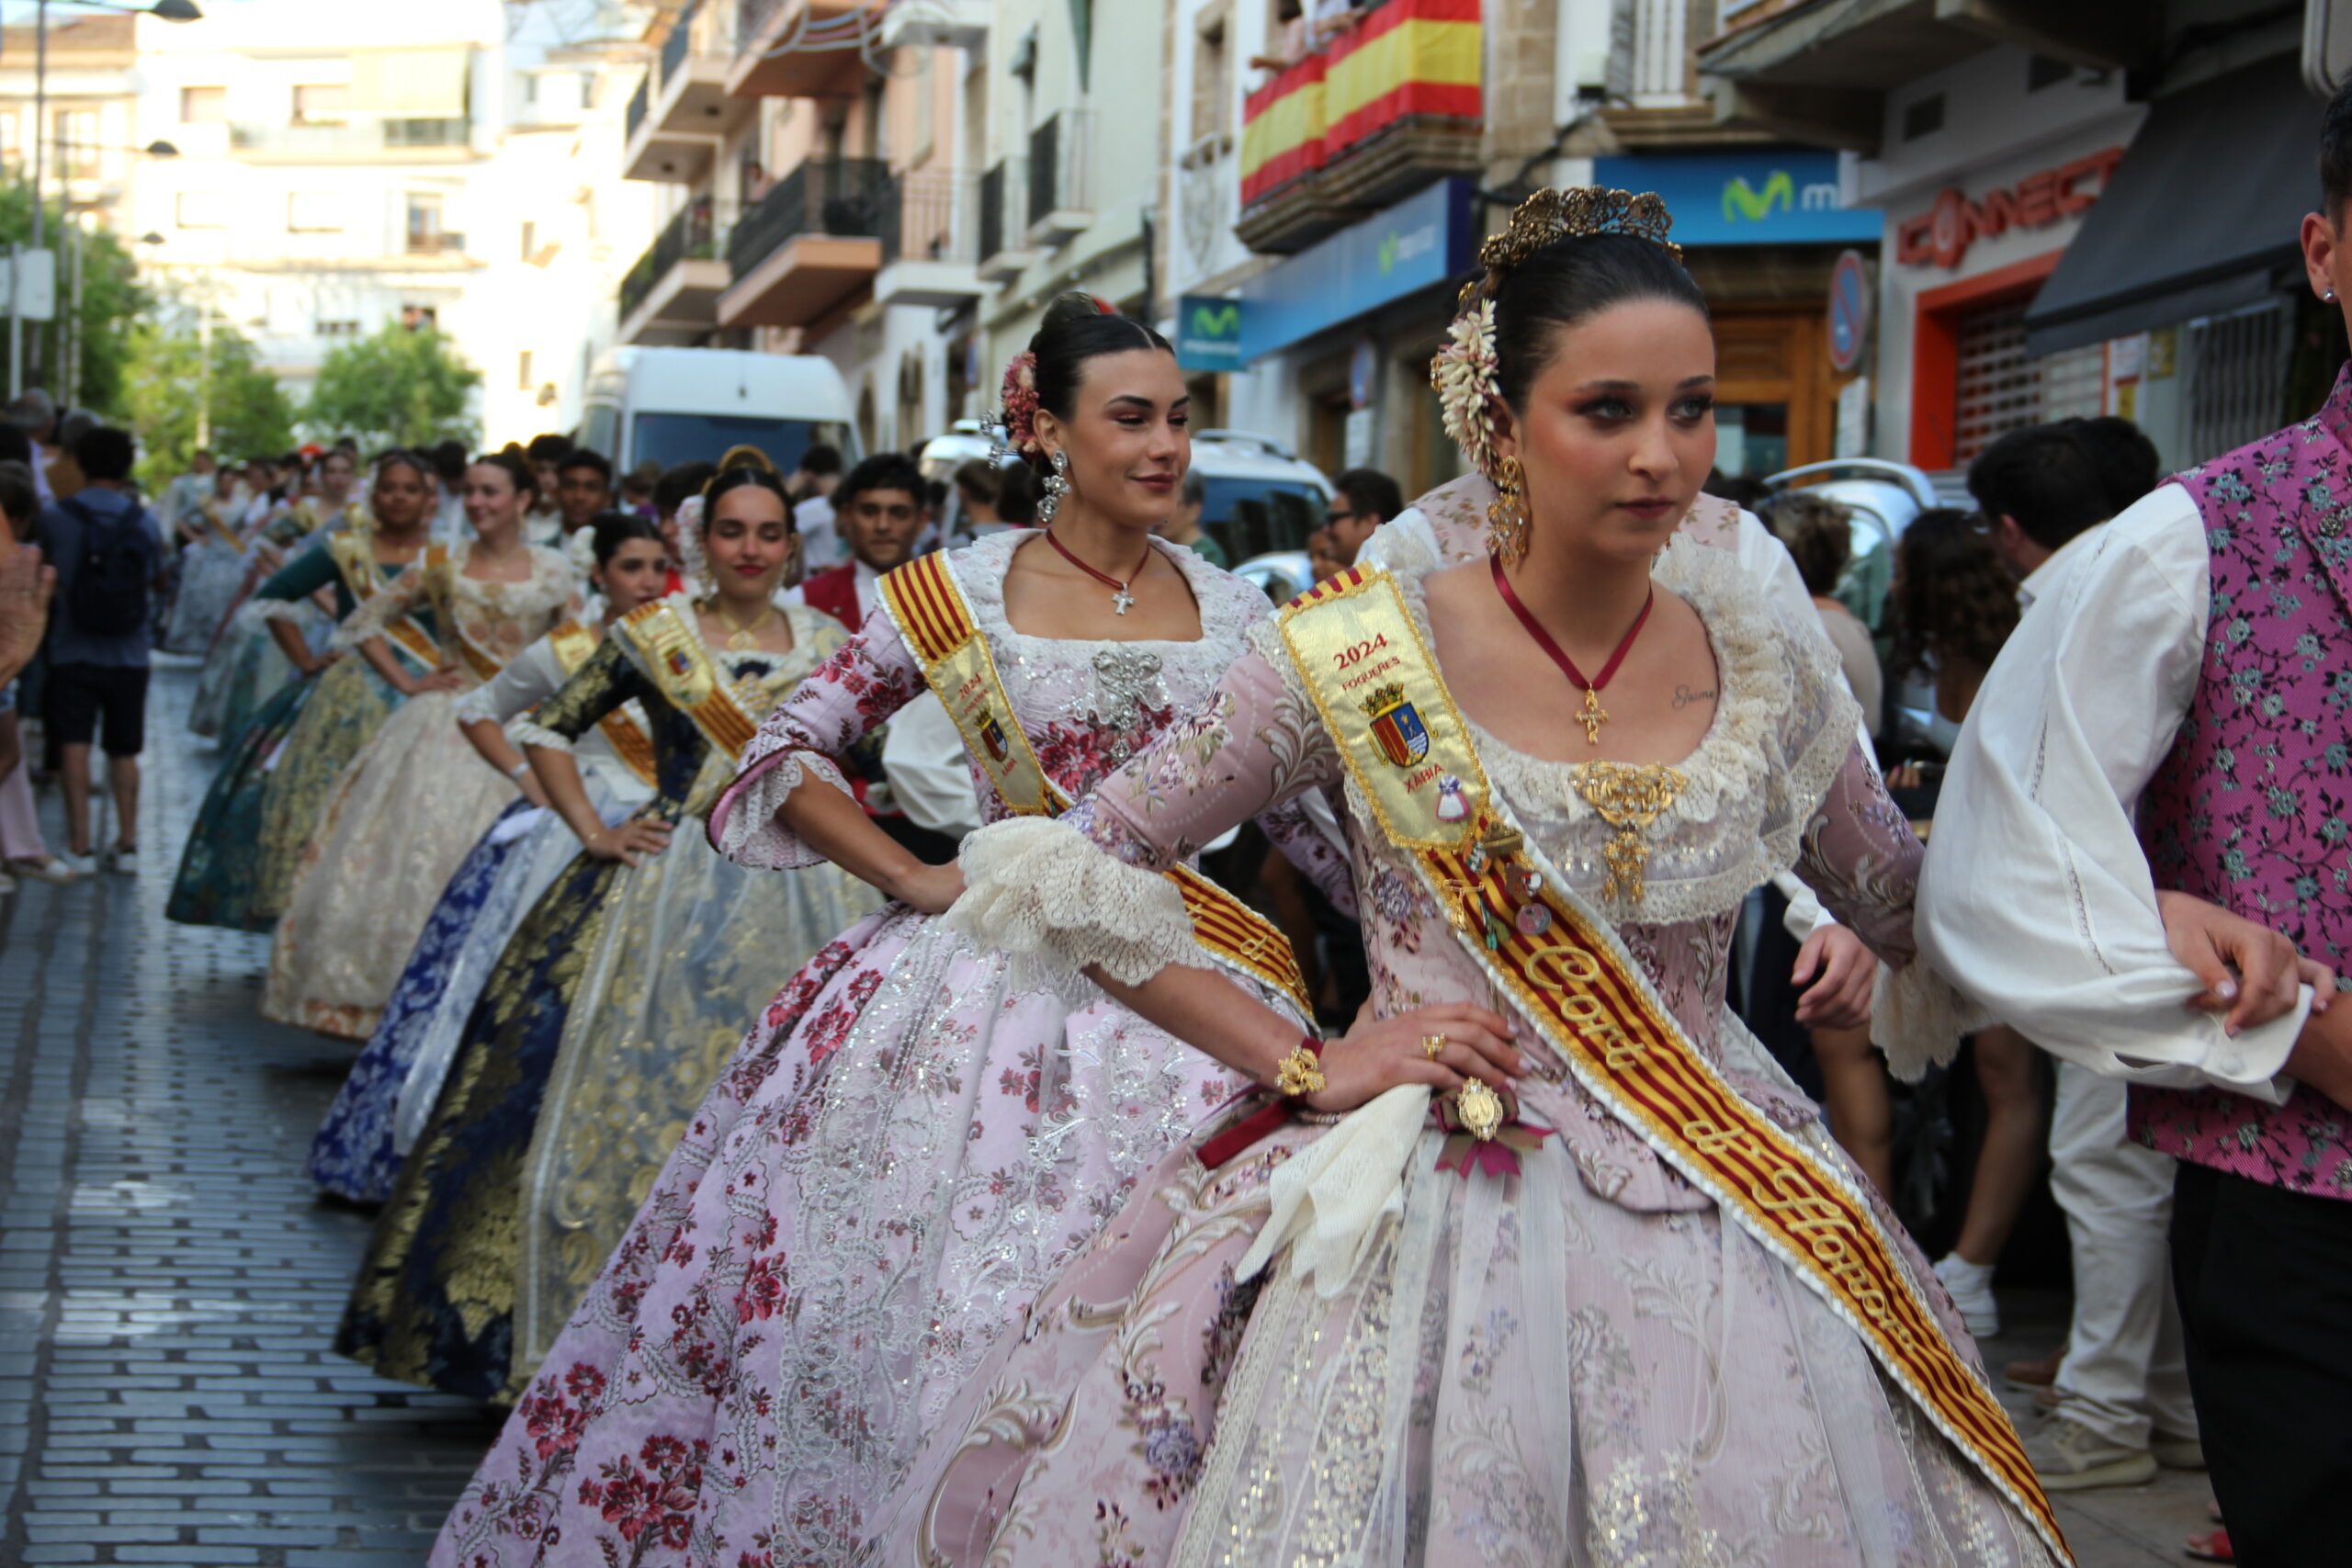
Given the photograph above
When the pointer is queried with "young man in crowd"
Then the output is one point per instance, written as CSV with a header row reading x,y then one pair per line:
x,y
546,454
449,458
2161,746
2117,1390
812,487
880,508
1367,498
107,555
583,487
1183,524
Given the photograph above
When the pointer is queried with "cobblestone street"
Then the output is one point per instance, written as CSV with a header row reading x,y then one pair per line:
x,y
169,1285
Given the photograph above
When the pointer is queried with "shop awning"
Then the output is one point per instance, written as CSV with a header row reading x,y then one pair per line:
x,y
2200,217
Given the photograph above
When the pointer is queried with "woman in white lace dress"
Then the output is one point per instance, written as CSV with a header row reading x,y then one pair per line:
x,y
415,798
913,1138
1578,1277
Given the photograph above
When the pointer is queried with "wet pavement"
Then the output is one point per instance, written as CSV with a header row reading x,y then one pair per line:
x,y
169,1285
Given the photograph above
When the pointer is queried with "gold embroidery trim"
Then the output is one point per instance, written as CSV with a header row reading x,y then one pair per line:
x,y
573,644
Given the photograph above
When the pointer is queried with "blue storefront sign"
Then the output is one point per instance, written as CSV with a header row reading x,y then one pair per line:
x,y
1766,196
1423,239
1208,332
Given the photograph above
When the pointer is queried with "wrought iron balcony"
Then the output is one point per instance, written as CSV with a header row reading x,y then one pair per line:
x,y
808,244
930,240
681,274
1060,193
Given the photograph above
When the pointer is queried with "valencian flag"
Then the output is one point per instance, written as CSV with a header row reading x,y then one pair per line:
x,y
1406,58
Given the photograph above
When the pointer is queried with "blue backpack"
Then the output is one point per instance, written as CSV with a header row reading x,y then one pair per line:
x,y
109,594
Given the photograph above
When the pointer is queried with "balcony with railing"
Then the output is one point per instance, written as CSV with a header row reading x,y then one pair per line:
x,y
352,142
1389,106
1061,196
671,295
810,246
801,49
682,112
1002,220
930,240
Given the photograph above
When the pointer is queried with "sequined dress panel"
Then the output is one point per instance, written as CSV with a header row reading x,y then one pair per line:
x,y
906,1147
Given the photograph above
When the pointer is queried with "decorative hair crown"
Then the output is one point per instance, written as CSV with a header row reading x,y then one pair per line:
x,y
1463,371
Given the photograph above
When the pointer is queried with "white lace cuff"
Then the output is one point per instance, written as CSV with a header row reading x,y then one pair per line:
x,y
475,706
280,609
1042,892
523,732
750,833
1917,1019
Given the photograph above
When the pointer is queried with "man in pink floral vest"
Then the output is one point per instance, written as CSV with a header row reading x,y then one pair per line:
x,y
2166,740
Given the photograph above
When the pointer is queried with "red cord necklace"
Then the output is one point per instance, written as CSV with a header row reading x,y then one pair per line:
x,y
1119,598
1593,716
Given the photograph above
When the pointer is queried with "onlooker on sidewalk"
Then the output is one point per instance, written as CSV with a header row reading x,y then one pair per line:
x,y
2121,1387
2163,743
811,487
107,554
1367,498
24,604
583,487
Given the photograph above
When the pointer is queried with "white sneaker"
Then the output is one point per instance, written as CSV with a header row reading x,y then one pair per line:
x,y
47,868
80,866
1971,1285
2070,1457
123,860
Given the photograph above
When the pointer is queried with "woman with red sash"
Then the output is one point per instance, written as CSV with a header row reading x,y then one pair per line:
x,y
1544,1261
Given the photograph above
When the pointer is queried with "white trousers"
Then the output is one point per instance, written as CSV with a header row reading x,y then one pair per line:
x,y
2124,1373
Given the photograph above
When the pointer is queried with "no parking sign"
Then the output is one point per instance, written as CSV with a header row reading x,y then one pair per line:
x,y
1850,312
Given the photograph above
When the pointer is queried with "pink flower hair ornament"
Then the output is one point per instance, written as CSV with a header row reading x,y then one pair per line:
x,y
1016,416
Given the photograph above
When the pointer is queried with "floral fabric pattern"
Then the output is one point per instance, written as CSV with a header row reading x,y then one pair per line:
x,y
2253,808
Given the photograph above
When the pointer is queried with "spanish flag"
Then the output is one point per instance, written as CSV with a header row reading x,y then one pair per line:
x,y
1407,58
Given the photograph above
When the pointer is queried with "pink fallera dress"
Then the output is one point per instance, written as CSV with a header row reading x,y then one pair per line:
x,y
1578,1364
905,1148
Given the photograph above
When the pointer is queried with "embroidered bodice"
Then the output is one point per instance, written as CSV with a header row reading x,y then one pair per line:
x,y
1085,707
1777,780
498,620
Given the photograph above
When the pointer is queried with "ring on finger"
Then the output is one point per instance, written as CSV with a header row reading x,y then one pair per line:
x,y
1432,1044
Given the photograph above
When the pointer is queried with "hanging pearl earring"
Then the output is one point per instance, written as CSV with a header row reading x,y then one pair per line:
x,y
2328,295
1056,487
1507,515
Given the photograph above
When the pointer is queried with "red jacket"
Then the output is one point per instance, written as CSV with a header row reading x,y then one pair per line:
x,y
834,593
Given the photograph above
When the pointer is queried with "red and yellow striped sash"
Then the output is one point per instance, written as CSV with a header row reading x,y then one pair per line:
x,y
669,649
1379,692
355,557
938,625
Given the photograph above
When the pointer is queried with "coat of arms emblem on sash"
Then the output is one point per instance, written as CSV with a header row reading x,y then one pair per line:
x,y
1397,725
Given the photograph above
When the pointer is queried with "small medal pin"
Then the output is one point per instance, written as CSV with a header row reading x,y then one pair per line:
x,y
1533,920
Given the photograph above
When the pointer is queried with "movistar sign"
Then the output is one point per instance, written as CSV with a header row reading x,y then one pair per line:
x,y
1766,196
1208,332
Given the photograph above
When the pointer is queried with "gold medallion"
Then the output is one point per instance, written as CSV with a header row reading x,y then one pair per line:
x,y
1481,1110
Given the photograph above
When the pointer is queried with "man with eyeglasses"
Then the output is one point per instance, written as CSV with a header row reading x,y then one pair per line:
x,y
1367,498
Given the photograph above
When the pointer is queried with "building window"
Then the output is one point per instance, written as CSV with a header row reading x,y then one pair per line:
x,y
199,209
321,103
314,212
425,237
420,318
204,105
10,154
338,329
77,143
1211,80
1924,117
523,371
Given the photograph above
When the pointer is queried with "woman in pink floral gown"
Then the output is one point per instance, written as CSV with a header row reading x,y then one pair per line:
x,y
1367,1340
915,1136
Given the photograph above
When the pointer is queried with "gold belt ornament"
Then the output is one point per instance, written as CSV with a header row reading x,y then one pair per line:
x,y
1562,968
932,616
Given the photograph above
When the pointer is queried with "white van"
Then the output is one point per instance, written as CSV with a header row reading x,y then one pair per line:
x,y
683,405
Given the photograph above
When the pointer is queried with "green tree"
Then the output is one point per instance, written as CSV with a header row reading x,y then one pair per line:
x,y
110,302
166,378
403,386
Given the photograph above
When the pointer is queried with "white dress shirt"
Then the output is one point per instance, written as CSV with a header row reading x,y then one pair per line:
x,y
869,592
821,541
2037,901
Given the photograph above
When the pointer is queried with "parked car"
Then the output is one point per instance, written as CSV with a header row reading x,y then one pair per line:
x,y
681,405
1283,575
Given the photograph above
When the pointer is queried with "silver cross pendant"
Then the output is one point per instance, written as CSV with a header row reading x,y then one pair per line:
x,y
1122,598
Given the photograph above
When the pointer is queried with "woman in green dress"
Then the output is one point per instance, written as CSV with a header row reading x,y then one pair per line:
x,y
279,772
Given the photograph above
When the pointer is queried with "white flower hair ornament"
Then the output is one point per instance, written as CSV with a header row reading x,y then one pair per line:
x,y
1463,372
581,545
692,567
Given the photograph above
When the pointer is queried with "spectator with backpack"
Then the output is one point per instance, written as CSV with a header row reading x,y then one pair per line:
x,y
108,553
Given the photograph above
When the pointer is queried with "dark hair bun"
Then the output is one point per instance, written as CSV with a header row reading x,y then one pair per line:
x,y
1077,328
613,529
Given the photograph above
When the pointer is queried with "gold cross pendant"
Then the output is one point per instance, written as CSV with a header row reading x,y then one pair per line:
x,y
1593,717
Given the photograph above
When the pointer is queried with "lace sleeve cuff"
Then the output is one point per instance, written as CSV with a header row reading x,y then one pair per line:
x,y
280,609
745,827
1042,892
1917,1018
521,731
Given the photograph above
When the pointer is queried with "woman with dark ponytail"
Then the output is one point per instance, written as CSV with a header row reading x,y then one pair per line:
x,y
918,1133
615,1000
391,1087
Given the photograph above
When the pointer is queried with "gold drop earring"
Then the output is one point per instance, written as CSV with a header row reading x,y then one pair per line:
x,y
1507,515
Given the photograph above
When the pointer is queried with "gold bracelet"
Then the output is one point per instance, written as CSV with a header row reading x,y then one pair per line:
x,y
1300,1073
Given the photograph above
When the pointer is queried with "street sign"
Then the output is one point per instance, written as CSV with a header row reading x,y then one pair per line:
x,y
32,282
1850,312
1208,332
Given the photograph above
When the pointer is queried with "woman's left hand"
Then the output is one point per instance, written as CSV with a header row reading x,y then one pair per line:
x,y
1838,973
